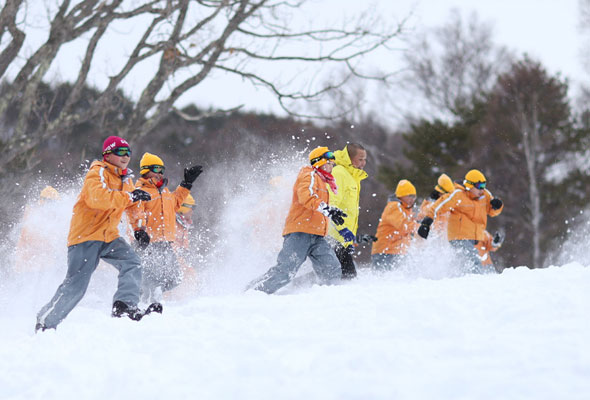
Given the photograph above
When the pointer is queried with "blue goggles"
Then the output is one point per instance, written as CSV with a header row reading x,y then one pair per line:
x,y
478,185
120,151
328,155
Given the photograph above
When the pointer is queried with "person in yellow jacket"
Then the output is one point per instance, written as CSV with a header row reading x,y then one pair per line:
x,y
396,228
444,187
306,227
469,206
106,193
154,225
348,173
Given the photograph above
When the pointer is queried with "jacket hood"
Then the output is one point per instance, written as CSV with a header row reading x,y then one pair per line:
x,y
343,160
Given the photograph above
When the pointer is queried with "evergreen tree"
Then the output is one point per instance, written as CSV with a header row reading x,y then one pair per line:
x,y
527,132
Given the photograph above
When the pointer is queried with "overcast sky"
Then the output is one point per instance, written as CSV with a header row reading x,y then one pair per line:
x,y
546,29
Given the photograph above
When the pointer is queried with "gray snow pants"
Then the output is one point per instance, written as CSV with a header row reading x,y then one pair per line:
x,y
297,247
465,249
83,259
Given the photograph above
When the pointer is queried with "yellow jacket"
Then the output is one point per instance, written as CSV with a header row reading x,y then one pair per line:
x,y
158,215
468,216
309,192
348,179
105,195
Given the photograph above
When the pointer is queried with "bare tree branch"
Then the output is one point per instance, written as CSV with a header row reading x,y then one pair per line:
x,y
190,39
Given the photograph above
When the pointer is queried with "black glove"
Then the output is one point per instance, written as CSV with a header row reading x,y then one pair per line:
x,y
365,238
142,237
498,239
139,194
425,227
496,204
335,214
190,174
434,195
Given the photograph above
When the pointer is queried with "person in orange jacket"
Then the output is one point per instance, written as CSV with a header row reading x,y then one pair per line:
x,y
184,223
396,228
486,246
154,225
107,192
469,206
444,187
306,227
34,249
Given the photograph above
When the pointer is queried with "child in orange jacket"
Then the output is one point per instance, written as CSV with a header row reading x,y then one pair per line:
x,y
396,228
306,227
107,192
469,206
154,226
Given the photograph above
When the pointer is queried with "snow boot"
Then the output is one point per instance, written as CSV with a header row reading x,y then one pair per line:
x,y
121,309
154,307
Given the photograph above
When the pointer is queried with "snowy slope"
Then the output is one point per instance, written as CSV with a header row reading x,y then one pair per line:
x,y
424,332
519,335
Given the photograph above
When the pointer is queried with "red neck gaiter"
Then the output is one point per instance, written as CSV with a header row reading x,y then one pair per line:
x,y
328,178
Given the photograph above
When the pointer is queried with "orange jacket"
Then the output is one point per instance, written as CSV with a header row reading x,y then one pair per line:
x,y
468,216
183,225
100,205
442,220
395,229
484,247
158,215
309,192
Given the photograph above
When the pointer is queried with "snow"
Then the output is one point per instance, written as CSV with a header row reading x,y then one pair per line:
x,y
423,332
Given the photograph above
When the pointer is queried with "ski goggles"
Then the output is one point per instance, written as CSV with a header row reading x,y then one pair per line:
x,y
120,151
328,155
191,206
156,169
478,185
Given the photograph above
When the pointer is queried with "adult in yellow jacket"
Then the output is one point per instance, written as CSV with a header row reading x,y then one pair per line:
x,y
306,227
469,206
107,192
348,173
396,228
155,225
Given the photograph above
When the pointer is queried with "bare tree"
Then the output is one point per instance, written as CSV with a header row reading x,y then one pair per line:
x,y
455,64
190,39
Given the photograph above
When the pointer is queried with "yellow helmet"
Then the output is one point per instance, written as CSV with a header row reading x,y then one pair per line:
x,y
147,161
445,184
189,204
320,156
405,188
475,178
49,193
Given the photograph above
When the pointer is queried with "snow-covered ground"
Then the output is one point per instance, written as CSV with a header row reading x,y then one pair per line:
x,y
420,333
